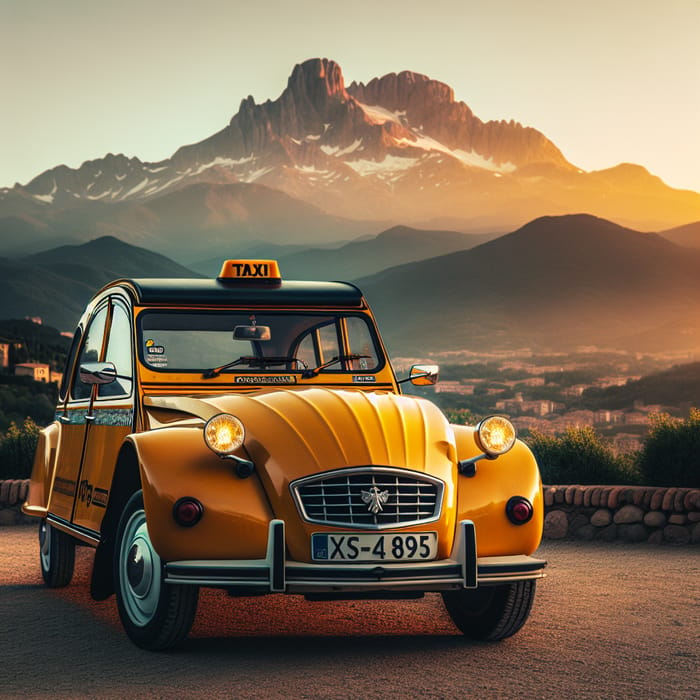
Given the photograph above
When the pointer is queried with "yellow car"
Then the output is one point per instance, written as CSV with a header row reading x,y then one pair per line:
x,y
249,433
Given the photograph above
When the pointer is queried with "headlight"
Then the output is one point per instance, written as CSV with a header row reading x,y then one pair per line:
x,y
495,435
224,434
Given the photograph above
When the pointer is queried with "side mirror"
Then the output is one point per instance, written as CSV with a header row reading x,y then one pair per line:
x,y
424,375
252,333
98,373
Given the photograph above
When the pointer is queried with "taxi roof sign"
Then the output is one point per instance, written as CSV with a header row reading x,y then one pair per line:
x,y
250,271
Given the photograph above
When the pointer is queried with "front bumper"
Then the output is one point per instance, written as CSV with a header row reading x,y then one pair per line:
x,y
274,574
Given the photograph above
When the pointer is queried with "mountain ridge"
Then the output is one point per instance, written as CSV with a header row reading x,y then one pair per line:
x,y
556,283
398,149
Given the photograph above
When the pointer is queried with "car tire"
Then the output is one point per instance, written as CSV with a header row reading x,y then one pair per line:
x,y
56,555
155,615
491,613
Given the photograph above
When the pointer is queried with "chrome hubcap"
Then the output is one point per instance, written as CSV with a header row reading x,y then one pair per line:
x,y
139,571
45,546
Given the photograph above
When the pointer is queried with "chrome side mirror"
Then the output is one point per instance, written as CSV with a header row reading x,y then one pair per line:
x,y
422,375
98,373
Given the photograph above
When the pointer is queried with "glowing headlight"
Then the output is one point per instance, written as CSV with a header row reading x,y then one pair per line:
x,y
224,434
495,435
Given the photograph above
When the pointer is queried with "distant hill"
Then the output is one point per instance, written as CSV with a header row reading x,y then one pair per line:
x,y
558,282
672,387
39,342
397,245
57,284
688,235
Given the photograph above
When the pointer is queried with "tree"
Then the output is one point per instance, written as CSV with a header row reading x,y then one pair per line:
x,y
671,453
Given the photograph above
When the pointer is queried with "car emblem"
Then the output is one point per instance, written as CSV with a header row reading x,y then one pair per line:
x,y
375,498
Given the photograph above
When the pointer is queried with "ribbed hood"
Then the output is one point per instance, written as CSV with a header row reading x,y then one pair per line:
x,y
296,433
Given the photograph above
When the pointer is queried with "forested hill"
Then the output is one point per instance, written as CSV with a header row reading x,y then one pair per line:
x,y
672,387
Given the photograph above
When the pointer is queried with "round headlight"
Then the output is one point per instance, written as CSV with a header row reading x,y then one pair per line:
x,y
224,434
495,435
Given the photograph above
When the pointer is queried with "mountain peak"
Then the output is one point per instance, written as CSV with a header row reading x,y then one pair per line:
x,y
316,78
403,90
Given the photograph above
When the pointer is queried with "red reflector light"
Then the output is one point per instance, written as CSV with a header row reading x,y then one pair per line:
x,y
519,510
188,511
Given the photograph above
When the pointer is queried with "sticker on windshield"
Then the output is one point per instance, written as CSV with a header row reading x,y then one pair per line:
x,y
265,379
364,379
155,354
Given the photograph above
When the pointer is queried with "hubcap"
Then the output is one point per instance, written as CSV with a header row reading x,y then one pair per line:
x,y
139,571
45,546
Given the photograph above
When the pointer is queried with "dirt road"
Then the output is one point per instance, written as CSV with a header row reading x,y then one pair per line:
x,y
609,622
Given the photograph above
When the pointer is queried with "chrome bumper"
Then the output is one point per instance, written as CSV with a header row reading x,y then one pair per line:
x,y
274,574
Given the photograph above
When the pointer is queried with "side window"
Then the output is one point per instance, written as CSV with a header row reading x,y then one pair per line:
x,y
360,343
65,379
306,352
119,353
90,352
319,344
328,336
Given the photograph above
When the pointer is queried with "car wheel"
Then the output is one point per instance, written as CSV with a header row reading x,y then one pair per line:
x,y
491,613
155,615
57,556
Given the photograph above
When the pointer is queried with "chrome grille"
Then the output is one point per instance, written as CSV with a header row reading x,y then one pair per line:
x,y
336,498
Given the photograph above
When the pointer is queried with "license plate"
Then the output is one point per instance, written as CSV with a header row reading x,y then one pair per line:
x,y
389,546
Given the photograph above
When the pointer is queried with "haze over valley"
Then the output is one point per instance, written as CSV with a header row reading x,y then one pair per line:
x,y
466,235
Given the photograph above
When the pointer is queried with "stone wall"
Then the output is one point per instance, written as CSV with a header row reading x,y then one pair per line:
x,y
13,492
606,513
627,513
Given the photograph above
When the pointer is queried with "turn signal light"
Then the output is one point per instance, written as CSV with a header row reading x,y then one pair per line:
x,y
188,511
519,510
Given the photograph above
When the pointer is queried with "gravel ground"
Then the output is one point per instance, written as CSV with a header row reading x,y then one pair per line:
x,y
610,621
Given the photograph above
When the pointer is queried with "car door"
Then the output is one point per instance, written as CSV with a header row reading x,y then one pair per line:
x,y
73,417
110,420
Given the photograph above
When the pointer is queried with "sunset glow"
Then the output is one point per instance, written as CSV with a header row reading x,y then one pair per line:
x,y
606,82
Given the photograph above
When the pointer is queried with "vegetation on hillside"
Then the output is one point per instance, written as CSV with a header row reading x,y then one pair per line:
x,y
22,397
17,448
581,456
34,342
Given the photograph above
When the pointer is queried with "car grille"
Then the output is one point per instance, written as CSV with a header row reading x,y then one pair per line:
x,y
369,497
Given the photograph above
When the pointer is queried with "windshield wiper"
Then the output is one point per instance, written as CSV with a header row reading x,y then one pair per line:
x,y
308,373
252,361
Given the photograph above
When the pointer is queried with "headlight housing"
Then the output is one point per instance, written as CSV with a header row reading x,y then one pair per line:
x,y
495,435
224,433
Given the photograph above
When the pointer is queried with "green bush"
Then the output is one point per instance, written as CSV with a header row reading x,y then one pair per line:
x,y
671,452
17,448
580,456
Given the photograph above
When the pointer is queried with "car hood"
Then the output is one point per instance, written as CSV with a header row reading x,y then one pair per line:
x,y
295,433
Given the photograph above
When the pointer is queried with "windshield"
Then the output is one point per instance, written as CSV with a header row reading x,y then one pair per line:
x,y
249,342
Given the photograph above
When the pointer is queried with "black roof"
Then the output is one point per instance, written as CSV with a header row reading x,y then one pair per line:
x,y
214,292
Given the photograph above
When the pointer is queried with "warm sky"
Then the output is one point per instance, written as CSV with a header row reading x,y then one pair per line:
x,y
608,81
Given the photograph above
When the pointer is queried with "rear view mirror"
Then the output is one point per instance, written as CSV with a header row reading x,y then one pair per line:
x,y
424,375
252,333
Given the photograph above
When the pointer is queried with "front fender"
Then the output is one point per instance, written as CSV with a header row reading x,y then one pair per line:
x,y
483,497
174,462
42,472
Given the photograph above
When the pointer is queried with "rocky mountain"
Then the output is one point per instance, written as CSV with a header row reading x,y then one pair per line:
x,y
57,284
326,161
556,283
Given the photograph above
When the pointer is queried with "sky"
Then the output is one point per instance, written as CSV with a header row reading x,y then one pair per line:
x,y
608,81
